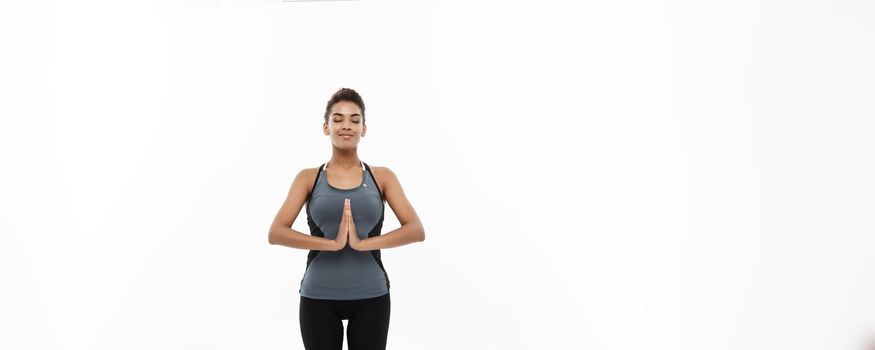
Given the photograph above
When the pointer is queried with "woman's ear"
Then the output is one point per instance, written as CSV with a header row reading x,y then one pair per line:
x,y
325,128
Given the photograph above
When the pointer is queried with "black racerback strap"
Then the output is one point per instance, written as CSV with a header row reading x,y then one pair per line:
x,y
315,181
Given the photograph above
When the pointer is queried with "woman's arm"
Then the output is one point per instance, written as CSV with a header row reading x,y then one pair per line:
x,y
411,229
281,231
405,234
292,238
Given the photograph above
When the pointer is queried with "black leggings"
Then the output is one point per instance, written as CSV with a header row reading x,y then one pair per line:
x,y
321,328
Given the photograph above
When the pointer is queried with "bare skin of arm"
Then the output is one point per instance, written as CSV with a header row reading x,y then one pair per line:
x,y
281,231
411,229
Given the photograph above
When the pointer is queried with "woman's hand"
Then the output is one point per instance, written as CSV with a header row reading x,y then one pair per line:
x,y
354,241
342,234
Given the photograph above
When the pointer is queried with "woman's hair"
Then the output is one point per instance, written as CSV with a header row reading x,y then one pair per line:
x,y
345,94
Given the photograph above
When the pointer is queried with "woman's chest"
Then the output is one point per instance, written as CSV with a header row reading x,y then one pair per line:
x,y
326,207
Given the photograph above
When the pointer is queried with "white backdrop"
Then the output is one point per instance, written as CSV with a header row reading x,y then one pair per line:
x,y
606,175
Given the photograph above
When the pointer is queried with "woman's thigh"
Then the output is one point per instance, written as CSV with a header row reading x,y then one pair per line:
x,y
321,328
368,327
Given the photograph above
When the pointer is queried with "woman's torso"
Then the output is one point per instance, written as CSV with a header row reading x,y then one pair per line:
x,y
346,274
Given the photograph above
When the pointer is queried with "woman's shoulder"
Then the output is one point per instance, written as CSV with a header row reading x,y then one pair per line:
x,y
308,177
383,175
309,172
379,170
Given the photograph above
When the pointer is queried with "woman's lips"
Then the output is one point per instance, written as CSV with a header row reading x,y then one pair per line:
x,y
346,137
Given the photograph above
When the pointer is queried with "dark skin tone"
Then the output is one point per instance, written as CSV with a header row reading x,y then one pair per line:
x,y
345,128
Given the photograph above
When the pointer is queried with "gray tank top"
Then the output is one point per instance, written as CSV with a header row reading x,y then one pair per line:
x,y
346,274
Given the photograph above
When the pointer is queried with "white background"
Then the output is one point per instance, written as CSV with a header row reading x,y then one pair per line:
x,y
603,175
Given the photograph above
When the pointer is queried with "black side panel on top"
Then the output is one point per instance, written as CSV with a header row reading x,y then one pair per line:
x,y
314,229
376,231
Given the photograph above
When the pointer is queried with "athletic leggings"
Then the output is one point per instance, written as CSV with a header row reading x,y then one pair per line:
x,y
368,326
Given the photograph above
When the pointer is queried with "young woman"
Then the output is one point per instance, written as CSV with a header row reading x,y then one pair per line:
x,y
344,277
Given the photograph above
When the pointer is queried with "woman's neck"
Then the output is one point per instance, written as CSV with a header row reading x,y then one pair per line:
x,y
344,159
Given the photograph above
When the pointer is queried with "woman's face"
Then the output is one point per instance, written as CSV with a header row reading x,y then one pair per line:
x,y
345,125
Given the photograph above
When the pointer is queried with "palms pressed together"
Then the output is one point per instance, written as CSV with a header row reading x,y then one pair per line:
x,y
346,233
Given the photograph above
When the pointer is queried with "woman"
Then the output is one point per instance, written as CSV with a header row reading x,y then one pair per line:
x,y
344,277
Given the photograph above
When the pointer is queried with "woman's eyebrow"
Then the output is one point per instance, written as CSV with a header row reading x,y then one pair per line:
x,y
341,114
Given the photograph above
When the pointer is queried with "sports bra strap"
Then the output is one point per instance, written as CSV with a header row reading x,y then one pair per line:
x,y
325,166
